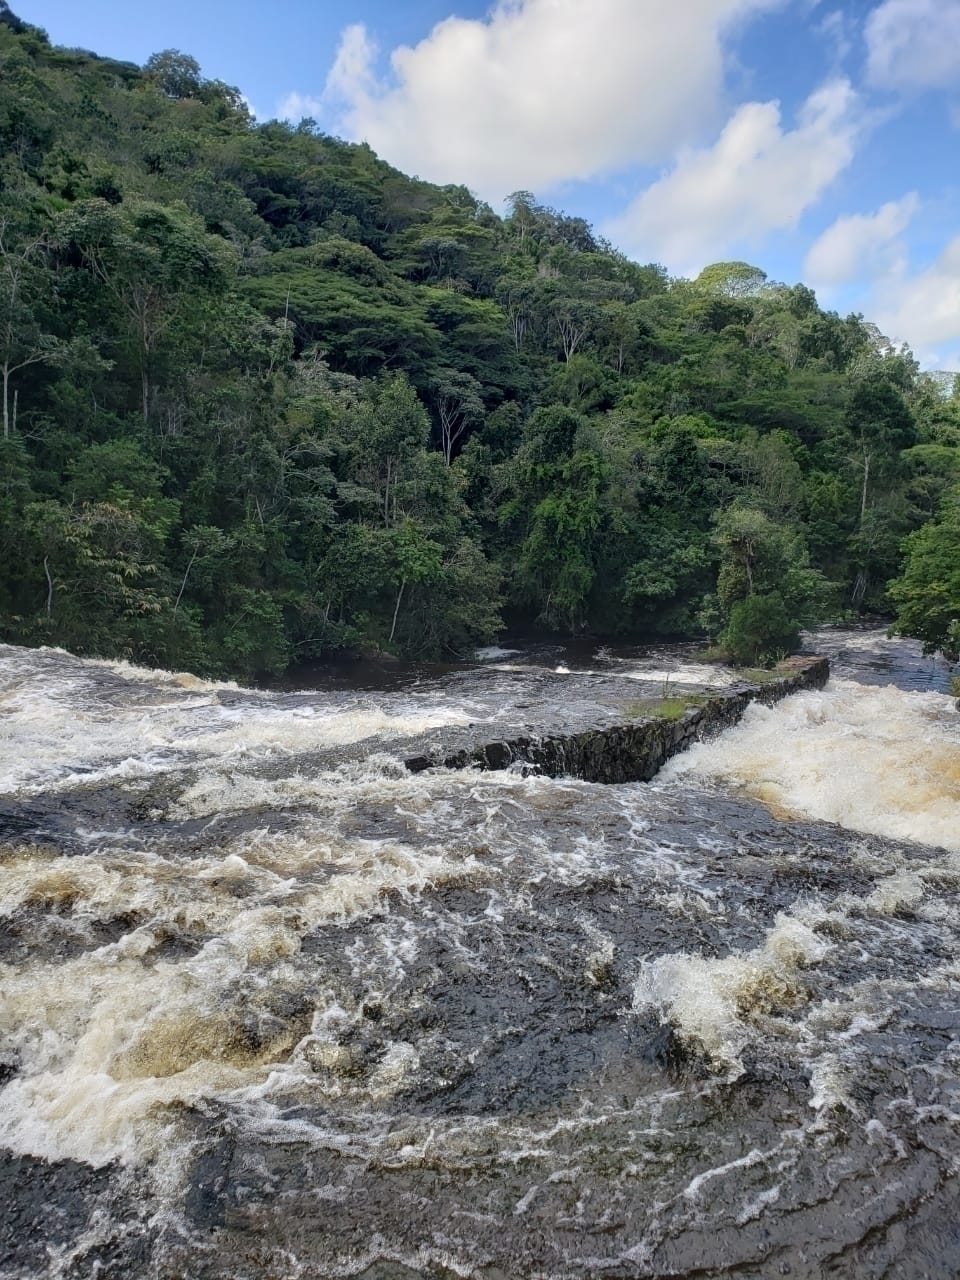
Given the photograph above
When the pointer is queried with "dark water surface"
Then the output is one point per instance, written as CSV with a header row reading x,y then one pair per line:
x,y
264,1014
864,653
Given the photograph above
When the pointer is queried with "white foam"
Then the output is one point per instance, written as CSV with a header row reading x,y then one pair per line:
x,y
60,732
691,673
713,1003
20,661
829,1085
875,759
106,1039
696,1185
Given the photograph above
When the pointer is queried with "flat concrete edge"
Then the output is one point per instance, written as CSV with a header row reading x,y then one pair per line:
x,y
635,750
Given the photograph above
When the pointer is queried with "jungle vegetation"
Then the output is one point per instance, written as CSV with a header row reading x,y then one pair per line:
x,y
264,397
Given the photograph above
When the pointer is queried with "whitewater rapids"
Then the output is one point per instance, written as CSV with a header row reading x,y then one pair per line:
x,y
267,1012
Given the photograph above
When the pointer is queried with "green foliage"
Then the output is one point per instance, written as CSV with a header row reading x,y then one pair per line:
x,y
556,565
732,279
766,588
263,396
927,593
759,626
669,707
176,74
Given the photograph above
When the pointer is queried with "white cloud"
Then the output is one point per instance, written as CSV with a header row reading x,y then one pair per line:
x,y
835,29
757,178
540,91
914,44
351,78
861,245
923,309
869,251
299,106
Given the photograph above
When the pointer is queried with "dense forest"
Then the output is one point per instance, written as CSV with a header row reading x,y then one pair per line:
x,y
265,397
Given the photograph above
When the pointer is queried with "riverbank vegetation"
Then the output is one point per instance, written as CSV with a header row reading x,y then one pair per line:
x,y
264,397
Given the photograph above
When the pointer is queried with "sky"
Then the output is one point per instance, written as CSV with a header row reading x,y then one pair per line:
x,y
816,139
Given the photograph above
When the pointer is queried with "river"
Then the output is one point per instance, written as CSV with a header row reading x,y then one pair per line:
x,y
272,1006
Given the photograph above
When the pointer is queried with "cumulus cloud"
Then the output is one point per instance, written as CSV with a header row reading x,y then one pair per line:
x,y
835,29
540,91
924,308
919,305
299,106
914,44
861,245
351,78
757,178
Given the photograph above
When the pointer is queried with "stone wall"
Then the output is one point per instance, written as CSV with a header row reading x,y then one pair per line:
x,y
635,750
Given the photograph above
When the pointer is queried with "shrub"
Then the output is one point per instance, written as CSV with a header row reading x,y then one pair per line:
x,y
760,626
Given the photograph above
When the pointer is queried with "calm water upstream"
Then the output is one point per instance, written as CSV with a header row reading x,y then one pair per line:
x,y
271,1007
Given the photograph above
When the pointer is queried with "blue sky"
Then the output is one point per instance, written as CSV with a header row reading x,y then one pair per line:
x,y
817,139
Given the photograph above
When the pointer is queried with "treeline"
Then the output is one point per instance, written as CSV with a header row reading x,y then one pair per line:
x,y
264,397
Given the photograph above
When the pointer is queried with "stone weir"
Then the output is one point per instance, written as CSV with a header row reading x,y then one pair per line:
x,y
631,733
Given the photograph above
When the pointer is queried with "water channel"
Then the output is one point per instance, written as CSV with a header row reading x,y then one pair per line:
x,y
271,1006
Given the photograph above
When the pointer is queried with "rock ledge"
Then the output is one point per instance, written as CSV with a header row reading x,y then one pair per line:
x,y
635,749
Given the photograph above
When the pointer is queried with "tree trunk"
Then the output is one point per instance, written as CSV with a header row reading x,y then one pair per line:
x,y
519,329
6,402
183,584
449,434
396,610
571,335
46,570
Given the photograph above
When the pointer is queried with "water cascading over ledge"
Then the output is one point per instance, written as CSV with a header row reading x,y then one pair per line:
x,y
634,746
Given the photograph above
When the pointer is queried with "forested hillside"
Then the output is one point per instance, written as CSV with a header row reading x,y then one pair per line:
x,y
266,397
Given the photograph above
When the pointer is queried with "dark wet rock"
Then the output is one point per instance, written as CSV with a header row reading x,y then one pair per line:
x,y
17,826
208,1195
47,1207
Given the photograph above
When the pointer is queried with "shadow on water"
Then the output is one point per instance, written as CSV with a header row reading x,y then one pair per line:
x,y
385,673
865,653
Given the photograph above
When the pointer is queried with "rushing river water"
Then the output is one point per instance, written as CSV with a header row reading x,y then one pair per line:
x,y
273,1007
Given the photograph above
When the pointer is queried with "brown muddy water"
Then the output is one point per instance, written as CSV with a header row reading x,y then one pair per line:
x,y
273,1007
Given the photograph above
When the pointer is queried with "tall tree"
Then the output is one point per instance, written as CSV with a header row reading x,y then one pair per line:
x,y
459,401
927,593
26,288
154,260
